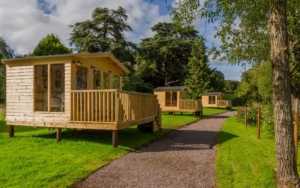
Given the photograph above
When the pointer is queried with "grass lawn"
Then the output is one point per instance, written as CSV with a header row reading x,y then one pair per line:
x,y
33,158
213,111
242,159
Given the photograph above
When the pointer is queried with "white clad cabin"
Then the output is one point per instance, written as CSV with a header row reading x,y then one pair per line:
x,y
78,91
216,100
174,99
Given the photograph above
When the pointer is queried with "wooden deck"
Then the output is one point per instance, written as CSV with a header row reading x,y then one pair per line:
x,y
112,109
184,105
224,103
108,109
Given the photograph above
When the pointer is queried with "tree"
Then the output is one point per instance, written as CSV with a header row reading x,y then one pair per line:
x,y
217,80
162,59
104,33
197,79
255,31
5,52
50,45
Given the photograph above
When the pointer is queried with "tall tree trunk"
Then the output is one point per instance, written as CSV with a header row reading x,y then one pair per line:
x,y
287,175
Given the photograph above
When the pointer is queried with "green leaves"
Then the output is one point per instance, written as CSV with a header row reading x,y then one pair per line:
x,y
198,77
166,54
50,45
104,33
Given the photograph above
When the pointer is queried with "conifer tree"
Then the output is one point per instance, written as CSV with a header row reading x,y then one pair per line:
x,y
197,78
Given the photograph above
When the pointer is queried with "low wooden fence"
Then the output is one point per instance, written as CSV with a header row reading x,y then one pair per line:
x,y
111,106
224,103
190,104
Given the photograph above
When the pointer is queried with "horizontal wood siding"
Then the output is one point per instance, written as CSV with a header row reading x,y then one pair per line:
x,y
19,92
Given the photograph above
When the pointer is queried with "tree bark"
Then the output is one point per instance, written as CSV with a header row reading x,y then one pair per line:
x,y
287,175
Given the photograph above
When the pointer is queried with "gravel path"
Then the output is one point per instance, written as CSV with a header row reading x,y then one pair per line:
x,y
184,158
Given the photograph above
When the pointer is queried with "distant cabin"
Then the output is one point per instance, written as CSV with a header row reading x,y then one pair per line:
x,y
174,99
215,99
78,91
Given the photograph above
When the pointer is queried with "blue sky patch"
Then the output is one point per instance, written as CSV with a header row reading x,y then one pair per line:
x,y
47,7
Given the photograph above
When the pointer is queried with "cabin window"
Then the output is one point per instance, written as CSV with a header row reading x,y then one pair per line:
x,y
116,82
57,88
106,80
171,98
81,78
97,79
211,99
41,88
49,98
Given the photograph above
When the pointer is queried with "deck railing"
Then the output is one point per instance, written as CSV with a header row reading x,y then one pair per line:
x,y
111,106
224,103
189,104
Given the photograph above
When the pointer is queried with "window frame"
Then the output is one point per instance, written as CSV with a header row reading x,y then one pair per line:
x,y
213,98
48,88
171,95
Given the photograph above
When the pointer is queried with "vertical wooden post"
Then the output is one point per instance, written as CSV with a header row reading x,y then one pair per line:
x,y
49,88
58,134
115,141
11,131
258,121
296,124
246,118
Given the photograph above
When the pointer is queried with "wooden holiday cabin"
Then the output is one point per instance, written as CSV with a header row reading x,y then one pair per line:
x,y
215,99
174,99
77,91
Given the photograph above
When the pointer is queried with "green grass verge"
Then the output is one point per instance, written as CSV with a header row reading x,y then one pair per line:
x,y
242,159
213,111
33,158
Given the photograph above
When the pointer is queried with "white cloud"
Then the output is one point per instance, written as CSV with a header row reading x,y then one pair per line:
x,y
23,24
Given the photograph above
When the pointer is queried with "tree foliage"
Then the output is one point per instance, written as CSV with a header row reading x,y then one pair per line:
x,y
261,31
50,45
197,78
163,58
104,33
5,52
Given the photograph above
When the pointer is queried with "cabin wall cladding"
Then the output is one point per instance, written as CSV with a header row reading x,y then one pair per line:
x,y
19,94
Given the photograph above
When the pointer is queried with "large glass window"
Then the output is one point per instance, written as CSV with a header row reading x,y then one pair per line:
x,y
211,99
171,98
81,78
41,88
57,88
116,82
55,92
97,79
106,80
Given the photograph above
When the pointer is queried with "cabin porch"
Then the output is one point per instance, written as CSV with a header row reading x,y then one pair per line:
x,y
76,91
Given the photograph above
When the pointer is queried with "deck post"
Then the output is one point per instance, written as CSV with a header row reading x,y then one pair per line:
x,y
58,134
115,141
11,131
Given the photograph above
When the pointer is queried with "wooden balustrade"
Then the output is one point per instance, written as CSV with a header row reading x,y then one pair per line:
x,y
189,104
224,103
111,106
137,106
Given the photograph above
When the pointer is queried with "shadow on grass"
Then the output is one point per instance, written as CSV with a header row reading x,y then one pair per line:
x,y
130,138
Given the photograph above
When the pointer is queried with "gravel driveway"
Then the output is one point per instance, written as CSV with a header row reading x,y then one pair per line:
x,y
184,158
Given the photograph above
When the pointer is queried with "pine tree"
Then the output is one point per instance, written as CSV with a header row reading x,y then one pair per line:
x,y
197,79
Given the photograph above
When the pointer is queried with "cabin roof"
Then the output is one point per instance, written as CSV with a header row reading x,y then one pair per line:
x,y
67,56
170,88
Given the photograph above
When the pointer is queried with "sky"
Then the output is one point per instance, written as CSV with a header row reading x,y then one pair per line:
x,y
24,22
